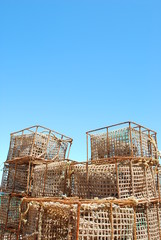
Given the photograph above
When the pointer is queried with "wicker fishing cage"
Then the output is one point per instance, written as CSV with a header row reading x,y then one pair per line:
x,y
119,179
77,220
123,139
40,142
9,211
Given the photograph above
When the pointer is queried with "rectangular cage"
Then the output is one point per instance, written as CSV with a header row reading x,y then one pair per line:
x,y
37,178
9,211
15,177
52,179
119,179
18,175
123,139
77,220
40,142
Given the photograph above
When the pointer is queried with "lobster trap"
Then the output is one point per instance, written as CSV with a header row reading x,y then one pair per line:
x,y
18,175
51,179
9,212
40,142
123,139
77,220
119,179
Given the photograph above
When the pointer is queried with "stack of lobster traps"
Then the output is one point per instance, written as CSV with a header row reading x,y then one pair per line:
x,y
30,148
124,164
114,195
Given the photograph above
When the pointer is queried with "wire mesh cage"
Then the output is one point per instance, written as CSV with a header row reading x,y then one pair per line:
x,y
75,220
51,180
9,211
123,139
38,141
114,179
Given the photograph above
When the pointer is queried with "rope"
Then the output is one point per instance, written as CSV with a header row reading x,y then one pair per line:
x,y
151,139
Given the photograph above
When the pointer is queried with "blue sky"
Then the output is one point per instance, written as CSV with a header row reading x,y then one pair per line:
x,y
73,66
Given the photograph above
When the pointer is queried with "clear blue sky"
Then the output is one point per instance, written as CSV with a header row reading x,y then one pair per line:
x,y
73,66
